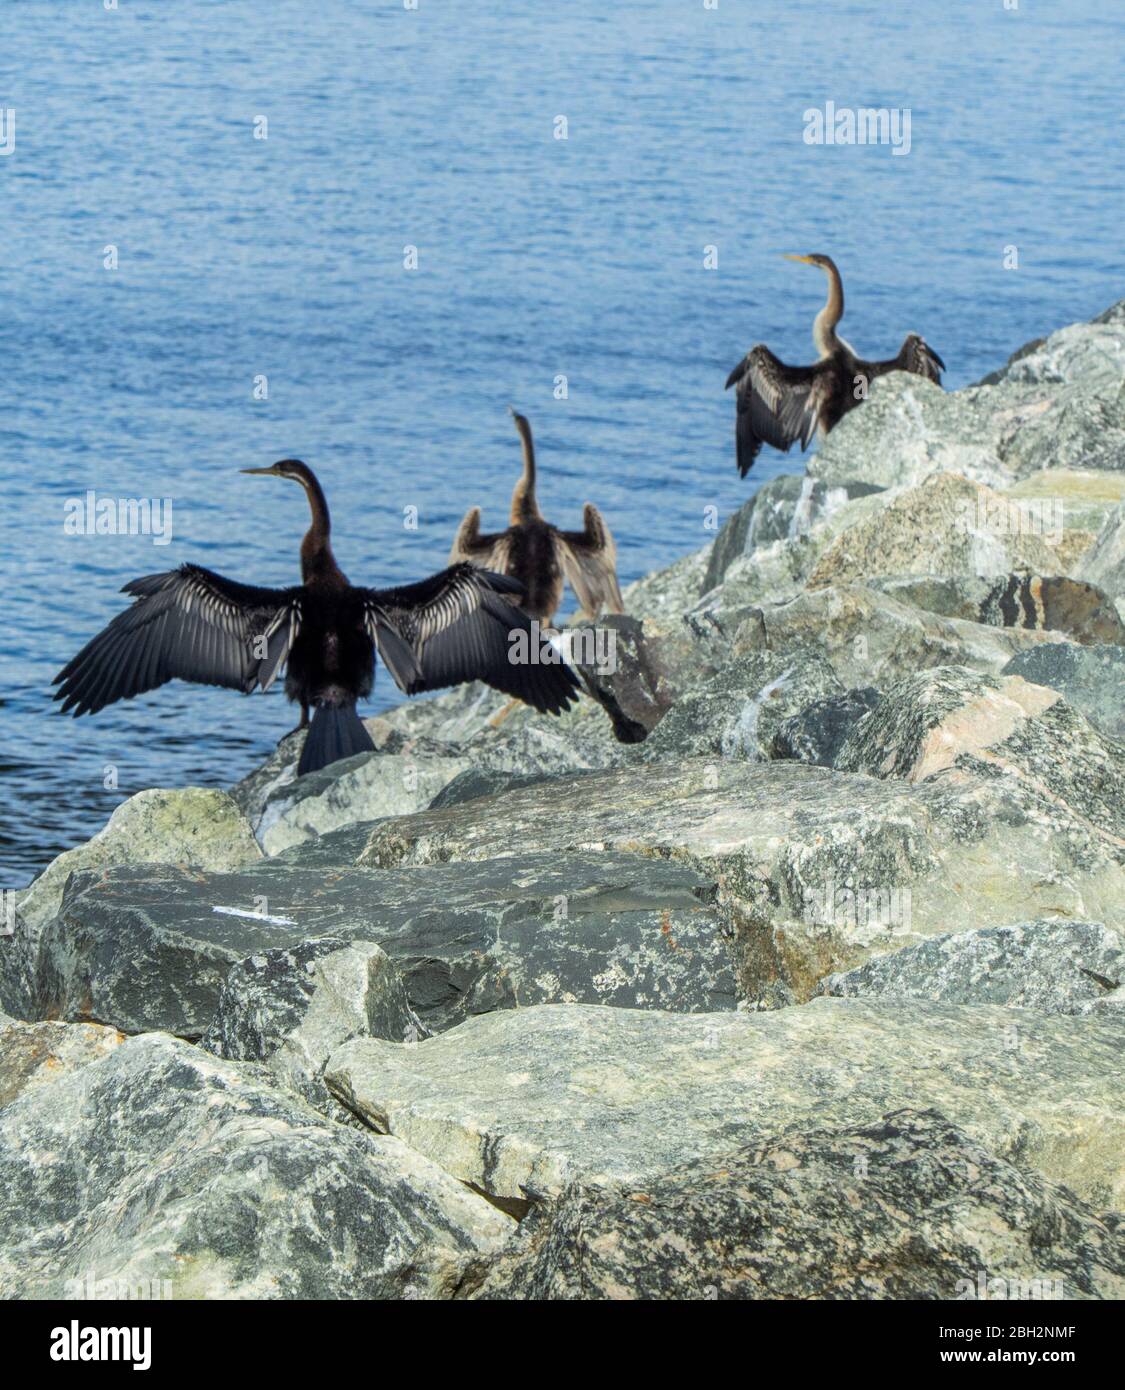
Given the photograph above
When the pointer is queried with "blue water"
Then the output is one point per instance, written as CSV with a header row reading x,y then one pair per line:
x,y
539,257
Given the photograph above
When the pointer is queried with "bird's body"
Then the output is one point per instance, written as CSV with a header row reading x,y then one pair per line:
x,y
331,661
333,656
783,405
196,625
531,556
539,556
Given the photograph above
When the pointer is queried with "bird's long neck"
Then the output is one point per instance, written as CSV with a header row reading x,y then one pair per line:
x,y
525,507
318,564
824,325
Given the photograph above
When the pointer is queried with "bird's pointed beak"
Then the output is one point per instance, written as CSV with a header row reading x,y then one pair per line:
x,y
271,469
805,260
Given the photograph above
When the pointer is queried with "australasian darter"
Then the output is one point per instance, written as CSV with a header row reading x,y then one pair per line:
x,y
539,555
195,625
779,404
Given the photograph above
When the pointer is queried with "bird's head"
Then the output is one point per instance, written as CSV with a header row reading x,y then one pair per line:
x,y
520,420
824,262
285,468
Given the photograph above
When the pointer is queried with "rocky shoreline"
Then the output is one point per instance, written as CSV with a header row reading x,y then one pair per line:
x,y
818,992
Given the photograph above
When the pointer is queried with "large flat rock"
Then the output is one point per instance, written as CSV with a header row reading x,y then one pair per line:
x,y
951,717
1060,406
1091,678
291,1007
907,1207
365,787
522,1103
151,947
161,1167
39,1054
1104,563
1057,967
195,826
817,870
871,638
941,526
737,712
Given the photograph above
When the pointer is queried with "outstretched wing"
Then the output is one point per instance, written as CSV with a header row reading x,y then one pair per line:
x,y
188,624
463,625
777,404
589,561
914,356
490,551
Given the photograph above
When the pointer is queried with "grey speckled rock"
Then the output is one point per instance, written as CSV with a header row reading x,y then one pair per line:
x,y
1054,603
662,597
151,948
292,1007
774,570
992,725
524,742
1080,498
163,1166
1093,351
905,1208
335,849
474,782
193,826
782,509
1053,966
422,728
817,870
39,1054
871,638
523,1103
279,769
1081,428
737,712
423,745
1104,564
1060,406
944,525
816,734
909,428
1091,678
365,787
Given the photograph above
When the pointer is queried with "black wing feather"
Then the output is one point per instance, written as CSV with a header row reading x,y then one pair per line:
x,y
589,560
457,626
188,624
777,404
915,356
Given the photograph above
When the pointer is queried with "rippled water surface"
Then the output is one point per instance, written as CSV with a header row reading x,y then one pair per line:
x,y
282,258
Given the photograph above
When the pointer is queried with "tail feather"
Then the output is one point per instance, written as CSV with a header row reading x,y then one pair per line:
x,y
336,732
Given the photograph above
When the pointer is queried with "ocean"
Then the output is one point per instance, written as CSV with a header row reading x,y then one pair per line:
x,y
208,214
